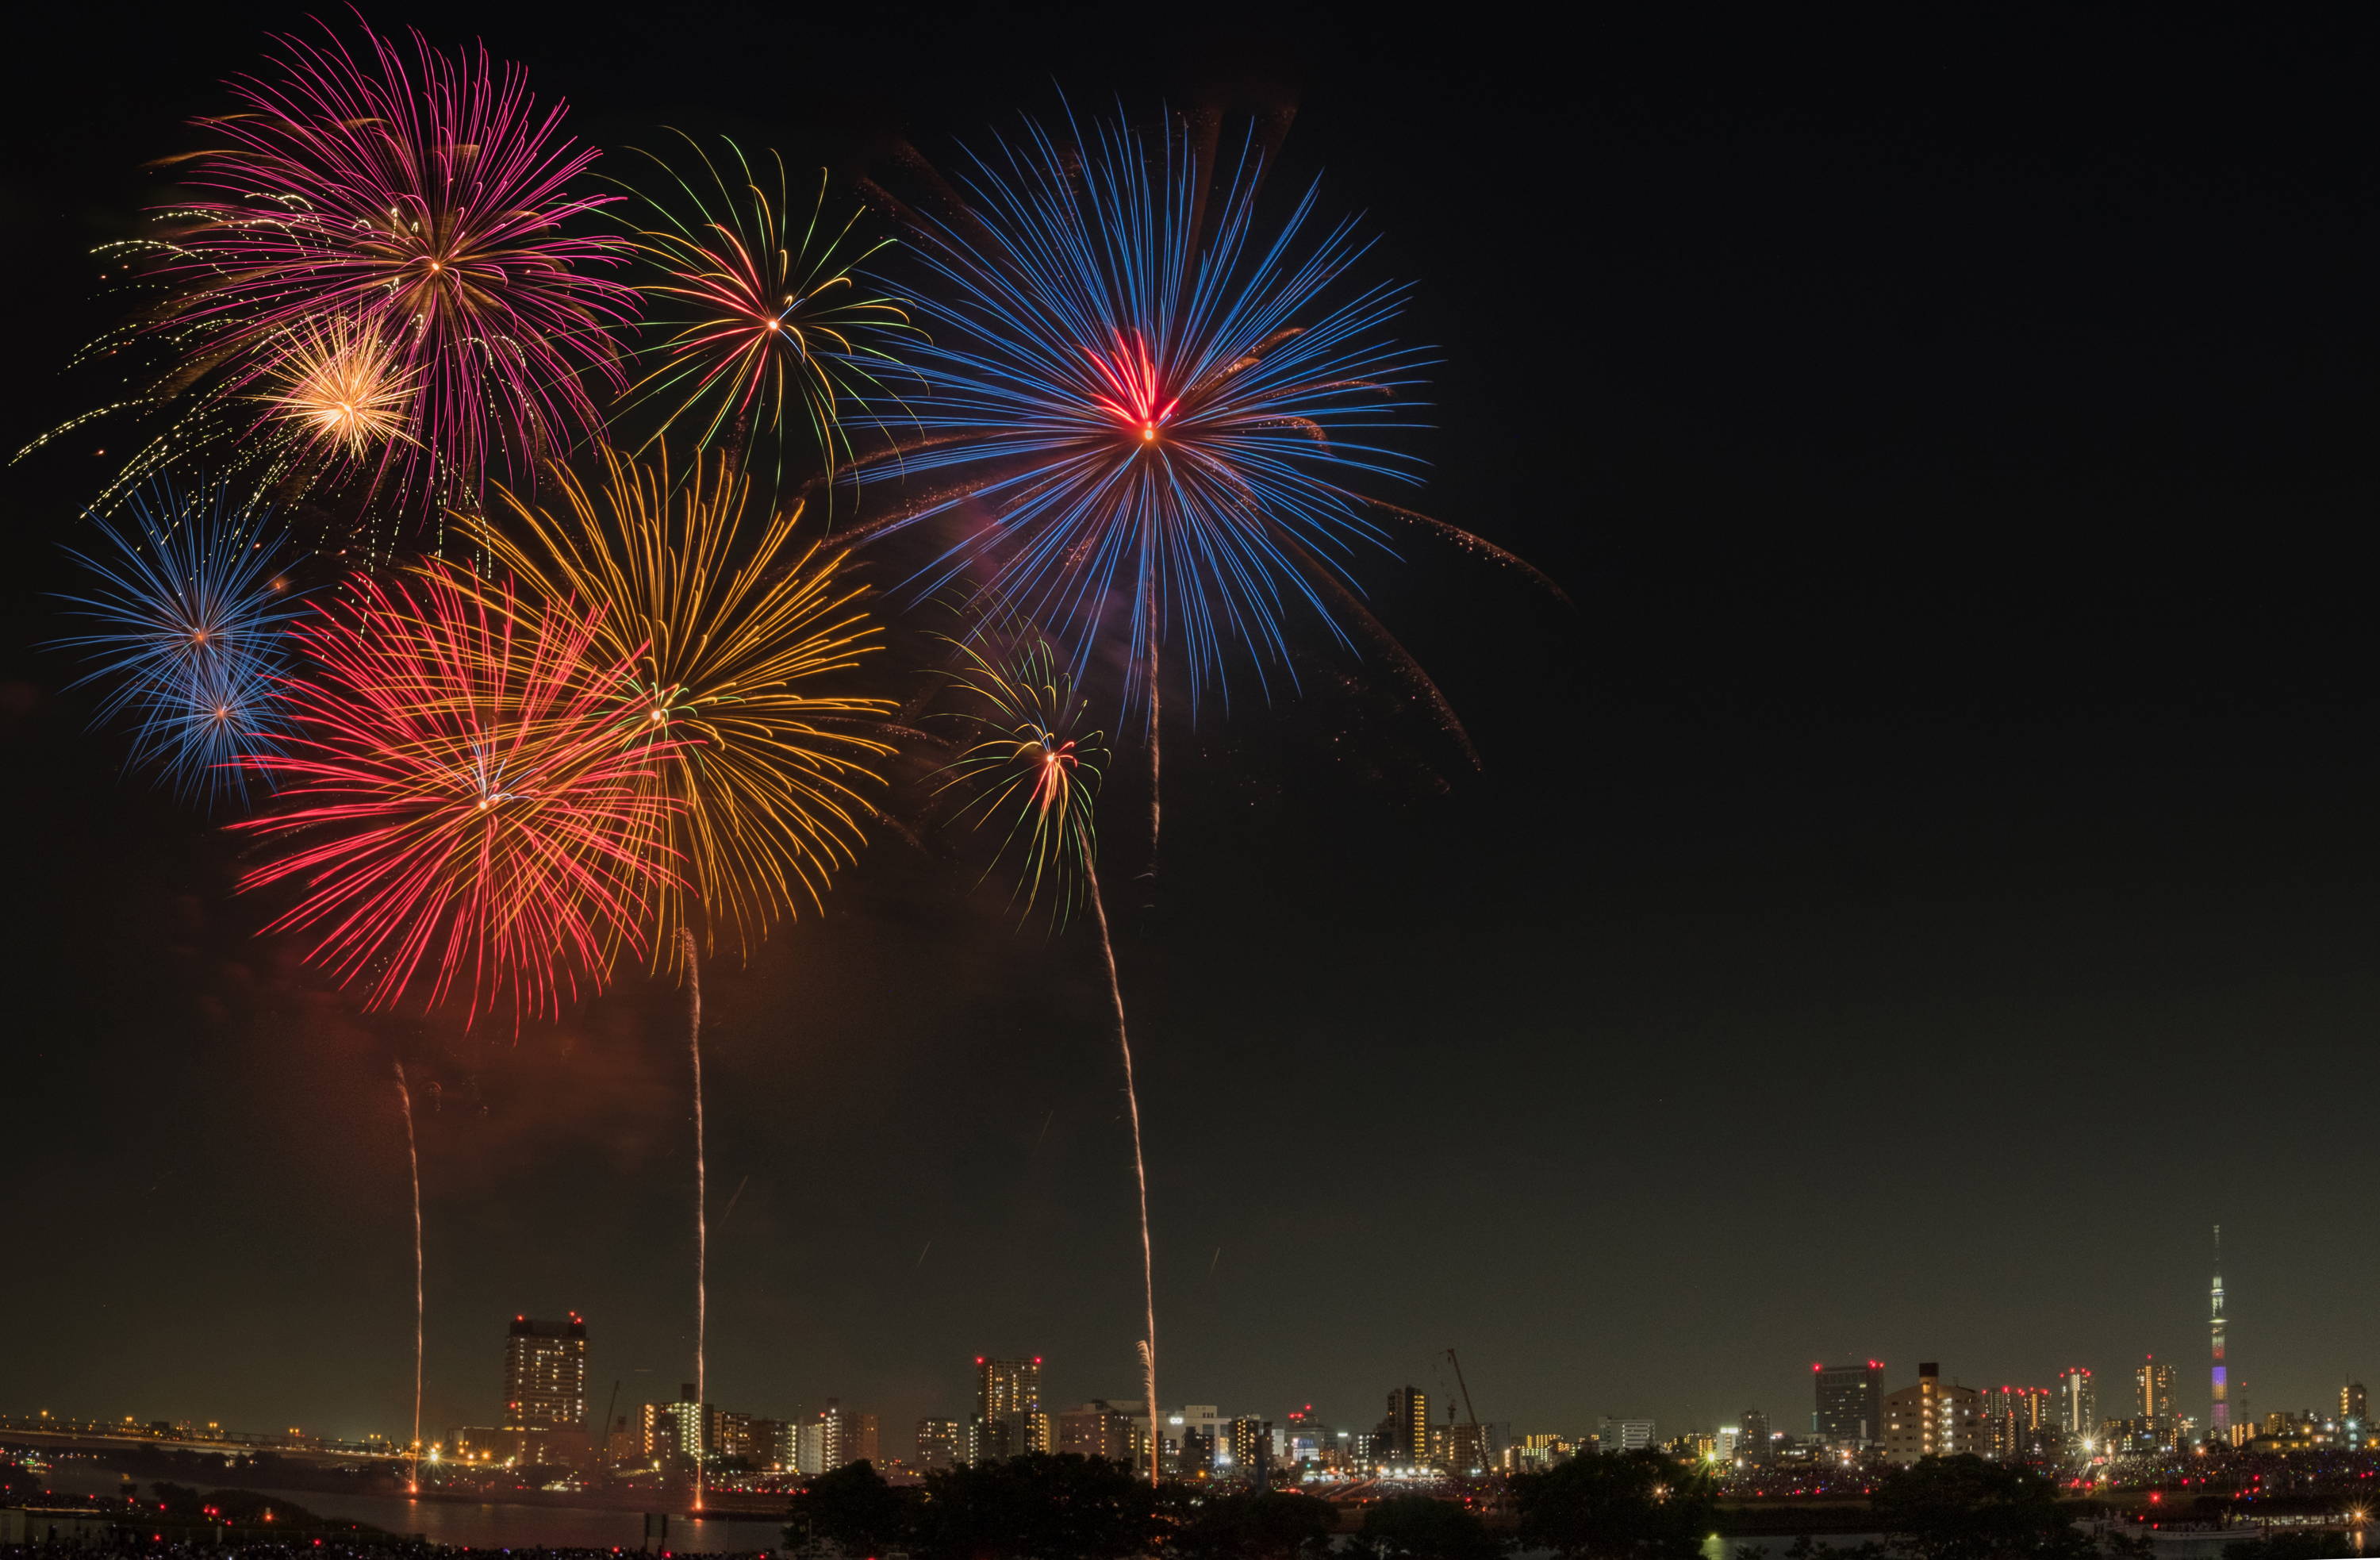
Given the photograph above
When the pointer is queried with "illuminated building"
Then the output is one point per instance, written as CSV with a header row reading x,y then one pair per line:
x,y
2219,1417
1624,1435
862,1439
1097,1429
1308,1439
545,1375
2015,1419
937,1444
1754,1441
1405,1431
2152,1392
1008,1419
544,1418
1727,1442
1850,1403
1250,1451
1931,1419
2078,1404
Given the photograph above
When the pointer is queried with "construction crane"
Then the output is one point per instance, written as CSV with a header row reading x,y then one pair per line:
x,y
1457,1363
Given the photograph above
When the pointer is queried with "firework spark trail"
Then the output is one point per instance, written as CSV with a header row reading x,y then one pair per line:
x,y
701,1197
1140,1176
413,1158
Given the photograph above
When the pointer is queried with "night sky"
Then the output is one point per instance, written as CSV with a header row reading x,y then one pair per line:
x,y
1932,875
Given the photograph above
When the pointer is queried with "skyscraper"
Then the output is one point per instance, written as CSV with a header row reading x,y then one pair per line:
x,y
2078,1403
1850,1403
1753,1438
545,1375
2153,1390
2352,1404
1406,1428
2219,1419
1008,1418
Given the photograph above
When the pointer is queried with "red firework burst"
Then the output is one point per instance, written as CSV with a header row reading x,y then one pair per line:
x,y
422,203
459,802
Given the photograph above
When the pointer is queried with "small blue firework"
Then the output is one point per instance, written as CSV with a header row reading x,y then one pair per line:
x,y
1162,410
188,616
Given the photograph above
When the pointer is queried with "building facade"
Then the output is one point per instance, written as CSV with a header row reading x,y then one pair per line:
x,y
1932,1418
1008,1419
938,1444
1850,1411
2078,1404
1405,1431
1097,1429
1624,1435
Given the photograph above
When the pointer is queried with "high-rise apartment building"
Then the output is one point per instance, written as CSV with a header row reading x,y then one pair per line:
x,y
1850,1403
1097,1429
1405,1431
1008,1419
2078,1404
545,1375
1754,1440
2152,1390
938,1444
1932,1419
2352,1404
2016,1421
1251,1450
862,1440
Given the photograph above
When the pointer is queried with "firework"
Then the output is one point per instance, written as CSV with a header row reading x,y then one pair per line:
x,y
458,806
424,199
770,333
344,387
1036,772
188,618
731,654
1163,406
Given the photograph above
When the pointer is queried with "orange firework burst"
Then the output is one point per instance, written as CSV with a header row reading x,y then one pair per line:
x,y
734,654
458,805
345,387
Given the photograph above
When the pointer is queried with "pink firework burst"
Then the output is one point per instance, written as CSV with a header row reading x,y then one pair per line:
x,y
424,200
460,803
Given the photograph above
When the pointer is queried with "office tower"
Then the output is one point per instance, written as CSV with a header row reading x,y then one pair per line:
x,y
1405,1431
937,1444
1850,1403
2219,1419
1008,1418
2078,1404
1932,1419
1755,1441
545,1375
1624,1435
2352,1404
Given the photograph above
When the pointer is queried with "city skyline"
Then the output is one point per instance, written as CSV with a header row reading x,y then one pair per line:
x,y
1901,753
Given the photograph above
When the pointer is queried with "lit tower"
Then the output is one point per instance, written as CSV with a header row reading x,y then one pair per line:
x,y
2218,1422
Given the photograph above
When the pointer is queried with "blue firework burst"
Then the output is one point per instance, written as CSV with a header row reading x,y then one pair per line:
x,y
186,616
1162,409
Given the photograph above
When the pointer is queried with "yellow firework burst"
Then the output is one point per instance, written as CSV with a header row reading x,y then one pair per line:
x,y
737,649
345,386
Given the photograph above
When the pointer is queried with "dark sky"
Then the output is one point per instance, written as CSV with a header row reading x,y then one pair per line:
x,y
1929,877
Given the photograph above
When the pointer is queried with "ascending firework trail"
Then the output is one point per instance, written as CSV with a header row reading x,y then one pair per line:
x,y
1037,770
413,1157
701,1192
